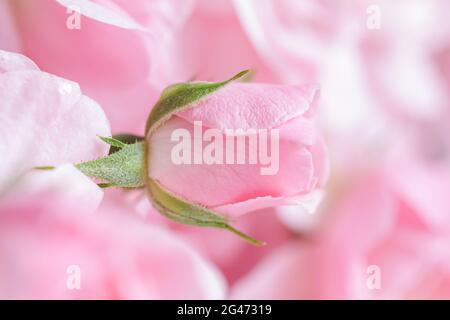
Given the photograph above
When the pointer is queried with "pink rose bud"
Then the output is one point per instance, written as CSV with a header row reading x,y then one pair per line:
x,y
214,151
230,148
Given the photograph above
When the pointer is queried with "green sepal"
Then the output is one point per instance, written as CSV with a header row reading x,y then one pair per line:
x,y
124,168
180,96
185,212
113,142
124,138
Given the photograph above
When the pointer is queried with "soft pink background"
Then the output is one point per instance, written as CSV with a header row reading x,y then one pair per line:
x,y
383,113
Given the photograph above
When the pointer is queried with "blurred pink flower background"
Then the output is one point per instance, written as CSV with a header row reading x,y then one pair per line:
x,y
380,228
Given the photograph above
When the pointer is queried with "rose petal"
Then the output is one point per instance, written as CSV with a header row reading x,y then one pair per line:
x,y
45,120
117,256
238,182
10,61
252,106
115,17
65,182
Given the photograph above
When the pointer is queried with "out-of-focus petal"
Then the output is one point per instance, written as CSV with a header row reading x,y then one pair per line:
x,y
9,38
65,182
46,120
112,65
102,13
10,61
44,246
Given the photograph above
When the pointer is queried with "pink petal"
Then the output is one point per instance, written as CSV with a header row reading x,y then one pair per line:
x,y
372,196
46,120
303,203
287,273
238,183
112,65
65,182
99,12
118,256
252,106
9,37
220,31
425,188
10,61
225,249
